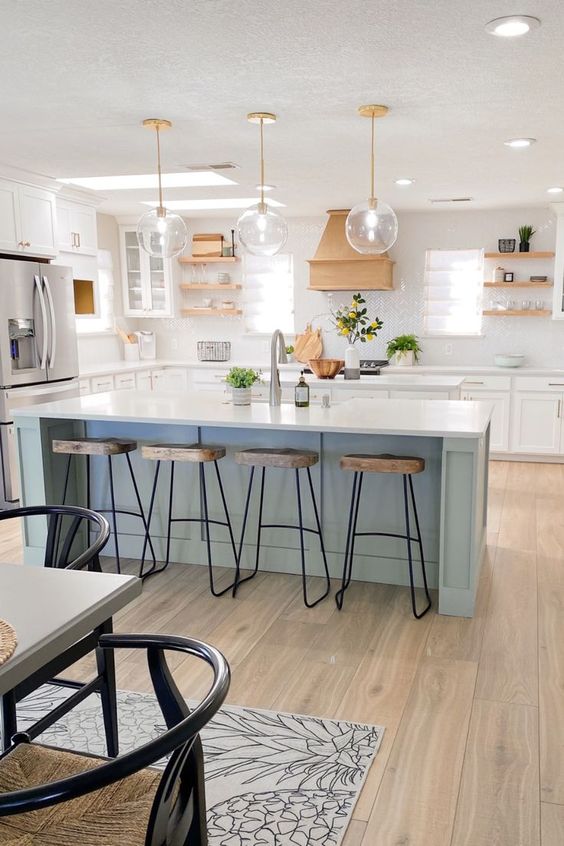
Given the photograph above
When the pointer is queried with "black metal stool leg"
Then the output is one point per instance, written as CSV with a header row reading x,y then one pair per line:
x,y
301,528
420,542
154,569
353,522
114,516
228,521
169,522
141,511
409,553
321,542
88,497
67,474
243,527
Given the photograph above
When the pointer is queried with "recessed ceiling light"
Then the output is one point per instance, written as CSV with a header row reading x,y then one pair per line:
x,y
512,25
554,190
265,187
197,179
225,203
516,143
405,181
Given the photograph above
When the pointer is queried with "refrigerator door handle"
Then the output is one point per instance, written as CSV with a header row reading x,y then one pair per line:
x,y
53,352
44,320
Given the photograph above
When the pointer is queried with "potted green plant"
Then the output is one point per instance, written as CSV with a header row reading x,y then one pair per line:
x,y
353,323
290,352
405,348
525,235
241,380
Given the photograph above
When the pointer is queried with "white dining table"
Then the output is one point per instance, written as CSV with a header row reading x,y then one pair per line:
x,y
50,611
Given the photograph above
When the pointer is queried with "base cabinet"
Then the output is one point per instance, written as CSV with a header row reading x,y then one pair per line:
x,y
537,423
499,432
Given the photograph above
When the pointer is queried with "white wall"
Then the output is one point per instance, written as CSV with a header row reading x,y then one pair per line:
x,y
401,310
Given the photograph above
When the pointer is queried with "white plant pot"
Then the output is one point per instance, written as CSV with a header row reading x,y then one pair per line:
x,y
352,363
241,396
404,359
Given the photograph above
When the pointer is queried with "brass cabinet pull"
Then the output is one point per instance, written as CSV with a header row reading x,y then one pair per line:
x,y
556,384
473,383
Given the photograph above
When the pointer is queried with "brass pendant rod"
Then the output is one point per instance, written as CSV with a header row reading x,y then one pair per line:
x,y
372,162
262,162
159,167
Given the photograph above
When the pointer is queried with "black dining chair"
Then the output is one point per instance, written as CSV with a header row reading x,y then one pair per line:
x,y
93,800
68,546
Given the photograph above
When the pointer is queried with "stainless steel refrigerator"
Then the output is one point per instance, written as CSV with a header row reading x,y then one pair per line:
x,y
38,350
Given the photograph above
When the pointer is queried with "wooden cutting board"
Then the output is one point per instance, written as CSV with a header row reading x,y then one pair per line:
x,y
308,345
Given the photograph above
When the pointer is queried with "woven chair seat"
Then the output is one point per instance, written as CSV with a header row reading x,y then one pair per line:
x,y
117,815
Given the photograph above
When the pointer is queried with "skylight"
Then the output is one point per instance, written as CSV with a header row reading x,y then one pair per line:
x,y
194,179
220,203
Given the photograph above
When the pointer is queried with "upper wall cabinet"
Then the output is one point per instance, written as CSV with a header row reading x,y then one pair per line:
x,y
76,228
146,281
27,220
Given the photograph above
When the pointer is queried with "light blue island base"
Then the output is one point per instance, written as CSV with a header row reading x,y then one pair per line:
x,y
451,496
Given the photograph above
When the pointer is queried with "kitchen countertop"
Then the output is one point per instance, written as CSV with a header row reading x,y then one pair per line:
x,y
121,366
424,418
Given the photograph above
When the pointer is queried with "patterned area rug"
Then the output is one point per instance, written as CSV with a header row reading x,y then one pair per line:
x,y
272,779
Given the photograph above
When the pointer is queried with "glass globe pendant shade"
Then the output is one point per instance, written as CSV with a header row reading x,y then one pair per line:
x,y
262,230
371,227
161,233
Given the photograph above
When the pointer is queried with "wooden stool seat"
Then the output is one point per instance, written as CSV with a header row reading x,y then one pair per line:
x,y
284,457
196,453
94,446
361,463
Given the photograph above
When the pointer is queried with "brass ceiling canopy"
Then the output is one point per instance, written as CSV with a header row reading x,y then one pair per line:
x,y
264,117
373,111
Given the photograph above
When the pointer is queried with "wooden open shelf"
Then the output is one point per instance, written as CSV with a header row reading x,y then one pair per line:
x,y
518,284
511,256
208,259
208,312
211,286
545,312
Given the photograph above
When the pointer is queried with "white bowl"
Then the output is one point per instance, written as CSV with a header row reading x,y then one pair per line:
x,y
509,359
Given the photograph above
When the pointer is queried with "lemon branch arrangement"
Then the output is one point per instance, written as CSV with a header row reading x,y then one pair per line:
x,y
353,323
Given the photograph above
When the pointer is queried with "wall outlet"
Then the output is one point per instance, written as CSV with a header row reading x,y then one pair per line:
x,y
174,343
448,349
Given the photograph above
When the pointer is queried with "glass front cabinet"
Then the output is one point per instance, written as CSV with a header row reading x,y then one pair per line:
x,y
146,281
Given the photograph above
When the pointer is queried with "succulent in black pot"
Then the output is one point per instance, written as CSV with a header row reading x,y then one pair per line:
x,y
525,235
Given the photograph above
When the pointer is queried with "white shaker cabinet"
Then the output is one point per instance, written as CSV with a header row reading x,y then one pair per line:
x,y
146,281
27,220
499,432
170,379
536,422
76,228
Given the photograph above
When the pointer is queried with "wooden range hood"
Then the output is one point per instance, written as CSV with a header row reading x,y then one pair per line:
x,y
337,267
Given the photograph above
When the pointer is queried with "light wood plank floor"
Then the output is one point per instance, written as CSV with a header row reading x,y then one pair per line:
x,y
473,753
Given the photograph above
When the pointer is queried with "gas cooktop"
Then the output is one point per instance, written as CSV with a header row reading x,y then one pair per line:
x,y
368,366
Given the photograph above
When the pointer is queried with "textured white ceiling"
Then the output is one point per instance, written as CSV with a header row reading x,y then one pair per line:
x,y
77,77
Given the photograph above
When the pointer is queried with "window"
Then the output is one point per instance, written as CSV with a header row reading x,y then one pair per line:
x,y
103,297
269,293
453,292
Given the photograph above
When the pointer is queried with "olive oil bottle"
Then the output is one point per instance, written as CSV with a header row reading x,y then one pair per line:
x,y
301,393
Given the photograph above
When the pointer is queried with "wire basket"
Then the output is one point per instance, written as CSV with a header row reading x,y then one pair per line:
x,y
506,245
214,350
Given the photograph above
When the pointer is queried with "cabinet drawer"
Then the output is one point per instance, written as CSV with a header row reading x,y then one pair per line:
x,y
102,383
124,381
540,383
84,387
487,383
143,380
213,376
343,394
424,395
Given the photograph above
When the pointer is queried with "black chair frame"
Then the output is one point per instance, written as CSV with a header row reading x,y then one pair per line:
x,y
352,534
57,555
178,814
300,528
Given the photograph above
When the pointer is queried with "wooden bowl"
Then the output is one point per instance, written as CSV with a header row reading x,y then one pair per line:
x,y
326,368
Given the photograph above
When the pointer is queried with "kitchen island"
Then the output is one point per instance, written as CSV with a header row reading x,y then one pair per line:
x,y
452,437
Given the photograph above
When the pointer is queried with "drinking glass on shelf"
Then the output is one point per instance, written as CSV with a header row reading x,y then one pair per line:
x,y
539,305
526,305
512,305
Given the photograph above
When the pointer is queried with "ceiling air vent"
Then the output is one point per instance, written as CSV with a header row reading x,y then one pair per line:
x,y
219,166
452,200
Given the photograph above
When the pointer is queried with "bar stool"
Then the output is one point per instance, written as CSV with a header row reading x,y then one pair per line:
x,y
287,459
407,467
109,447
200,454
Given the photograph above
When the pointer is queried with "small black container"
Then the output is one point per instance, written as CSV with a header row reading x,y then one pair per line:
x,y
524,247
506,245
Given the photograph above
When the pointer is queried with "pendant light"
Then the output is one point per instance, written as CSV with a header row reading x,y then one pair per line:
x,y
161,233
261,229
372,227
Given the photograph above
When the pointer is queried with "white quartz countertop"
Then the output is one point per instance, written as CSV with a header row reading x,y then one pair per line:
x,y
424,418
419,370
